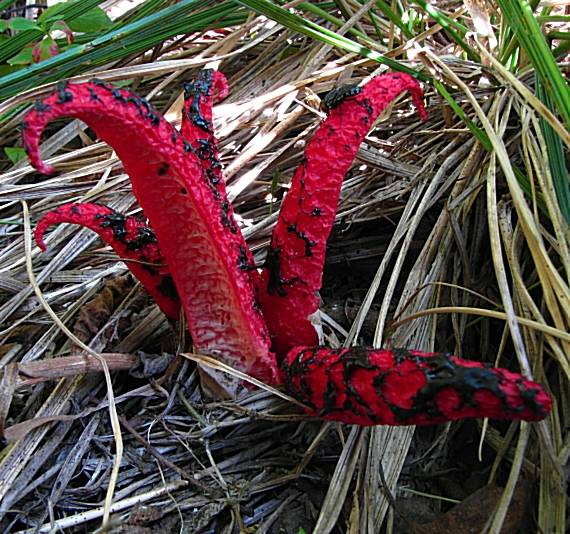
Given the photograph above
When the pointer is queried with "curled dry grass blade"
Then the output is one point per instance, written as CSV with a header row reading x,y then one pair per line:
x,y
112,408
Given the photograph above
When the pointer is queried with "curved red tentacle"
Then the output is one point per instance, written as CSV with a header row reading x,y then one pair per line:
x,y
132,240
293,272
400,387
198,235
197,127
199,97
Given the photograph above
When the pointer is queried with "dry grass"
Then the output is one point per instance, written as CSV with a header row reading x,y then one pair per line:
x,y
436,248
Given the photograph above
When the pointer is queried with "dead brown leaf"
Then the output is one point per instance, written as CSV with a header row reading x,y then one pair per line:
x,y
472,514
98,311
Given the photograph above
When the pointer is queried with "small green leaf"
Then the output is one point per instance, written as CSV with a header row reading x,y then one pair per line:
x,y
93,21
3,25
52,13
45,49
15,154
23,57
63,27
21,24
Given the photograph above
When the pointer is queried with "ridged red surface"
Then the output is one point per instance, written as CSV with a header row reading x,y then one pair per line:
x,y
197,127
132,240
195,229
400,387
293,273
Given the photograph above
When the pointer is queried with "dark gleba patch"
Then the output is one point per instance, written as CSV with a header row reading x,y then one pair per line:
x,y
145,109
292,229
227,219
276,283
297,375
93,94
168,288
195,91
117,223
443,374
243,260
41,107
205,150
145,236
337,96
63,95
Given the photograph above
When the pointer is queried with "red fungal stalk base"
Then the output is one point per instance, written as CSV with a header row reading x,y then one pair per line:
x,y
132,240
399,387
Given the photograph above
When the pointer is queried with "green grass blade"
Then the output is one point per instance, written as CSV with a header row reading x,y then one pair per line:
x,y
6,3
556,159
325,15
184,17
519,15
394,18
301,25
453,28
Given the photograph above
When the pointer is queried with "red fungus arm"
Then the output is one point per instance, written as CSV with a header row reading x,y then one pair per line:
x,y
196,230
293,272
197,127
399,387
197,123
130,238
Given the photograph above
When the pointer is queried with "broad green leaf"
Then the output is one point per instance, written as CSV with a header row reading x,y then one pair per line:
x,y
54,12
23,57
15,154
21,24
45,49
93,21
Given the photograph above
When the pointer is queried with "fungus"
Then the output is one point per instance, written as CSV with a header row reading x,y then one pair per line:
x,y
133,241
366,386
231,310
